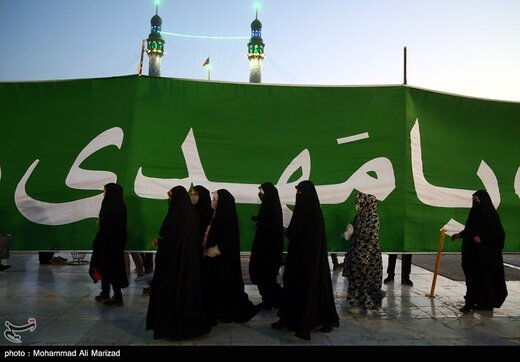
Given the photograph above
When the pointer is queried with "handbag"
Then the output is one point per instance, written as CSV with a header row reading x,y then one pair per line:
x,y
94,274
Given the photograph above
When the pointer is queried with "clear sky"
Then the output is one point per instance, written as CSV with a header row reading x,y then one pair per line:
x,y
468,47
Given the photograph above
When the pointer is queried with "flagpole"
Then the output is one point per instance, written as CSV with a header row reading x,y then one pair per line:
x,y
404,73
208,66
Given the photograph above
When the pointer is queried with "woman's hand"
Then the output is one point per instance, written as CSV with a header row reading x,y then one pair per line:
x,y
213,252
155,242
477,239
455,236
348,232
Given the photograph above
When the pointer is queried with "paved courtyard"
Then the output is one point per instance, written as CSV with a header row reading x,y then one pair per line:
x,y
61,300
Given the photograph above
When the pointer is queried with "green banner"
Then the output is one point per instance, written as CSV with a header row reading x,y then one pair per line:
x,y
421,153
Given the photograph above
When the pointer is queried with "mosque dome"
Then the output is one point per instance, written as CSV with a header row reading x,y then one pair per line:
x,y
157,21
256,24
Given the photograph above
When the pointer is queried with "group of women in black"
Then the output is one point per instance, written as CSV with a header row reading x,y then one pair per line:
x,y
198,276
198,280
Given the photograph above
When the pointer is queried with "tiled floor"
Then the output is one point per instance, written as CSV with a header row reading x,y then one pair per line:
x,y
61,299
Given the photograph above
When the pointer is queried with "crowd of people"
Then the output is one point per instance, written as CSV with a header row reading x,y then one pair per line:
x,y
198,283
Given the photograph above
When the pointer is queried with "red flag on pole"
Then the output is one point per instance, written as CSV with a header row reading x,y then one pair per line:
x,y
206,62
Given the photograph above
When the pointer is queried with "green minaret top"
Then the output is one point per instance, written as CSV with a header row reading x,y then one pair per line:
x,y
155,40
256,44
156,23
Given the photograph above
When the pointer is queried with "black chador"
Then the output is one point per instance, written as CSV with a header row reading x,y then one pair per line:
x,y
482,261
307,299
267,248
108,261
176,308
226,300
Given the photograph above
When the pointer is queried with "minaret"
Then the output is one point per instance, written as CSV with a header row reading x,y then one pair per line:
x,y
155,46
255,51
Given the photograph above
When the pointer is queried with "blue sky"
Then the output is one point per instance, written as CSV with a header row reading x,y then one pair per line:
x,y
467,47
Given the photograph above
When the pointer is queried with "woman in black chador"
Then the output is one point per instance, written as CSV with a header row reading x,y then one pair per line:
x,y
308,300
225,298
482,244
267,248
108,250
176,308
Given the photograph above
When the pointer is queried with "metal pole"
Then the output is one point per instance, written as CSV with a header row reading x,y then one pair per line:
x,y
140,67
404,81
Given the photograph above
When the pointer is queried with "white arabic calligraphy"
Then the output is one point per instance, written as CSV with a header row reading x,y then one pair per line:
x,y
353,138
446,197
68,212
442,196
380,186
156,188
517,182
